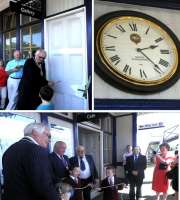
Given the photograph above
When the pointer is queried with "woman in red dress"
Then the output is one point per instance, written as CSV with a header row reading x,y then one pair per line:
x,y
162,162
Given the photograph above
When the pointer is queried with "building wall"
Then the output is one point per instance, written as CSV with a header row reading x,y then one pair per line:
x,y
169,17
123,138
4,4
56,6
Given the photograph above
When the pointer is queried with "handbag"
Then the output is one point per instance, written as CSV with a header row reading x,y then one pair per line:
x,y
163,166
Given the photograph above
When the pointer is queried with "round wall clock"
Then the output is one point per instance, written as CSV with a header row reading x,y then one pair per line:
x,y
136,51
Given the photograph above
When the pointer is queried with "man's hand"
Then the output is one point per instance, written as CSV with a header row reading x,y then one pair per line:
x,y
51,83
135,172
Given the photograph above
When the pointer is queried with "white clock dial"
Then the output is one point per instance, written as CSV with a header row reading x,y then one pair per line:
x,y
138,50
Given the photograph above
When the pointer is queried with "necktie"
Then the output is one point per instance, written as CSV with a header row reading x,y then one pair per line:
x,y
82,165
111,182
64,161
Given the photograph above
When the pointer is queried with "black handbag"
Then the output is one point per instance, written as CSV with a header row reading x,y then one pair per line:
x,y
163,166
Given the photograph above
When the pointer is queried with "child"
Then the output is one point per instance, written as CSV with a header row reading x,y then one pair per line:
x,y
65,191
75,182
109,185
46,94
3,82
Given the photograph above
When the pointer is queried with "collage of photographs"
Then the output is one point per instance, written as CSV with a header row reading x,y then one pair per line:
x,y
89,99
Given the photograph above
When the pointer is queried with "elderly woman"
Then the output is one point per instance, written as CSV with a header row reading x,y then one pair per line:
x,y
162,162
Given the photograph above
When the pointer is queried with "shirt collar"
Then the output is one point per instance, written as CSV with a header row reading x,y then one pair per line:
x,y
30,138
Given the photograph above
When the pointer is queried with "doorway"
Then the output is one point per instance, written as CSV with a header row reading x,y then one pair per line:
x,y
92,140
66,46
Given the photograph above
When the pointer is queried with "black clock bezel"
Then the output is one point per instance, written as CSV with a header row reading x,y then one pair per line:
x,y
119,83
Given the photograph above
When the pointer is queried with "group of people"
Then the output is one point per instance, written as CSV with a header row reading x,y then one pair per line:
x,y
166,167
24,83
31,172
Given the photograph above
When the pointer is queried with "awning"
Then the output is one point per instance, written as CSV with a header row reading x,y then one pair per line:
x,y
33,8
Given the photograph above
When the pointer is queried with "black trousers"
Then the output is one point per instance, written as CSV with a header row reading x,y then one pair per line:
x,y
135,183
87,191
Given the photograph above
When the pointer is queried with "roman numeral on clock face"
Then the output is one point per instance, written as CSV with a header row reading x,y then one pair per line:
x,y
164,51
115,59
147,30
110,48
143,74
112,36
133,27
158,39
127,69
120,28
163,62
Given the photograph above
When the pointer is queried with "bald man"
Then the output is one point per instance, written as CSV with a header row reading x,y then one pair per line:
x,y
88,171
59,161
14,79
33,78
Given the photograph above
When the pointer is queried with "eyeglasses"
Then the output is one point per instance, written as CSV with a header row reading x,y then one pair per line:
x,y
42,57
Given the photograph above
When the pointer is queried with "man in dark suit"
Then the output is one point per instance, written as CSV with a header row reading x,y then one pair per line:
x,y
33,78
59,162
26,167
88,171
136,164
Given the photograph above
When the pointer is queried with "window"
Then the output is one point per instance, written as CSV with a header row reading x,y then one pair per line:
x,y
11,130
30,40
9,45
9,21
107,148
62,131
26,19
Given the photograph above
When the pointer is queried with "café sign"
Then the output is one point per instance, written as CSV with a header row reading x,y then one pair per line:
x,y
21,9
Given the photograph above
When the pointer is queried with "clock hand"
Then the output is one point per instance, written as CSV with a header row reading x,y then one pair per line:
x,y
150,47
155,65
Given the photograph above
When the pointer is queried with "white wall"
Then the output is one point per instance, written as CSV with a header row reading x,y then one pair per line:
x,y
56,6
168,17
4,4
123,138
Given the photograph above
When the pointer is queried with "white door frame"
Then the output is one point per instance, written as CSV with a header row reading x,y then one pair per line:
x,y
88,127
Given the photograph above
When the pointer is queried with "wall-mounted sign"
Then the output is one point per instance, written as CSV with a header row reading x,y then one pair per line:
x,y
90,116
25,10
150,126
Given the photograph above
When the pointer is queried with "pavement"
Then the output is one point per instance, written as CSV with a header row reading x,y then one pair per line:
x,y
147,192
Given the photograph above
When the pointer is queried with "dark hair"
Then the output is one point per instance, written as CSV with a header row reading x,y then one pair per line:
x,y
71,168
165,145
46,93
110,167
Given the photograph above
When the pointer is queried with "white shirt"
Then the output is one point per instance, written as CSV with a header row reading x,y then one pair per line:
x,y
111,180
125,155
74,178
86,173
33,140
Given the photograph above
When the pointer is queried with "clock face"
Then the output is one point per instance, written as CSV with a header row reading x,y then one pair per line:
x,y
137,51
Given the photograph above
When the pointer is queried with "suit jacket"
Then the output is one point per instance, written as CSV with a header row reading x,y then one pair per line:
x,y
78,194
27,172
94,174
29,86
59,170
111,193
139,165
